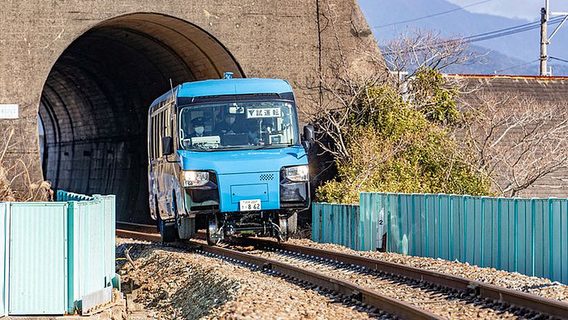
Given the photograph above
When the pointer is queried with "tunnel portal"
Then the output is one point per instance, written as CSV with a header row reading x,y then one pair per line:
x,y
93,108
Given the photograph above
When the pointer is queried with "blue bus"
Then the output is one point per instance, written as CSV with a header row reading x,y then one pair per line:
x,y
226,155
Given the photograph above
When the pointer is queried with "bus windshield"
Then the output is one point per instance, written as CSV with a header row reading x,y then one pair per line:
x,y
238,125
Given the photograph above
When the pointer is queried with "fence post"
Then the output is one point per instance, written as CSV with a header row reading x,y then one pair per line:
x,y
70,257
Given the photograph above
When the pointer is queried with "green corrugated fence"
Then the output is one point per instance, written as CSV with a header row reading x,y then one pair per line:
x,y
528,236
62,195
56,257
336,224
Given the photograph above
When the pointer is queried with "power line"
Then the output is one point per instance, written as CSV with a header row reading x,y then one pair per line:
x,y
491,34
499,34
431,15
558,59
525,25
508,31
517,66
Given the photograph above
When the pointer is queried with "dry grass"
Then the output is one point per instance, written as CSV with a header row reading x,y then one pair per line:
x,y
16,183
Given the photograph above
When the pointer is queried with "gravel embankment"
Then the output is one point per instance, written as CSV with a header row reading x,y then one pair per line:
x,y
538,286
171,284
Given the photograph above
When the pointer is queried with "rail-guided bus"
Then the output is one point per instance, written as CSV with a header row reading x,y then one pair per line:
x,y
226,155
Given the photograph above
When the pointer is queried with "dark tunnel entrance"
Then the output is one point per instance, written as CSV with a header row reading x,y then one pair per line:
x,y
94,103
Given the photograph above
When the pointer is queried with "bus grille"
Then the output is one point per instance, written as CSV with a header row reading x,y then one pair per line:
x,y
267,177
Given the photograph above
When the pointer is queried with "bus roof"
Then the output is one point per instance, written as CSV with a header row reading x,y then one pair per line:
x,y
221,87
232,86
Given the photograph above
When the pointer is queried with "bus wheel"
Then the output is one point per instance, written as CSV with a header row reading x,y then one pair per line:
x,y
214,233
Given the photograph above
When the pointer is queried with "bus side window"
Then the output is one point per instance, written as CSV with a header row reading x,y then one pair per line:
x,y
150,140
154,136
161,126
159,133
167,121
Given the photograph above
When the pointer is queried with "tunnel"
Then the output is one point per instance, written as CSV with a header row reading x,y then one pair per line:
x,y
93,107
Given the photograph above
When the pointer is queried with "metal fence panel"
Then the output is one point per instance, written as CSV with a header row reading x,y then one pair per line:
x,y
529,236
4,241
92,247
88,257
38,273
55,255
337,224
316,221
368,225
563,244
109,209
70,196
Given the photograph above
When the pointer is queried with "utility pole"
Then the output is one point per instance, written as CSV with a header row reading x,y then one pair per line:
x,y
545,15
544,39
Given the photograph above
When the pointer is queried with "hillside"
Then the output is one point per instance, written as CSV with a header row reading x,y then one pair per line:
x,y
500,53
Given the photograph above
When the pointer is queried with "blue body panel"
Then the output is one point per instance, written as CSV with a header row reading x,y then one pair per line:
x,y
232,87
246,174
223,87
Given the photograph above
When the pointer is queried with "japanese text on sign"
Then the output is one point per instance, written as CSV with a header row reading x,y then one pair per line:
x,y
263,113
8,111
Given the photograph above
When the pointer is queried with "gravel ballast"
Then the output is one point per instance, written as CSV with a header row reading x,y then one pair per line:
x,y
171,284
441,303
168,283
512,280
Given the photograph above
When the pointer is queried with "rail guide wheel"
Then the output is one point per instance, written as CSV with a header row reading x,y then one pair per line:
x,y
214,232
282,231
168,231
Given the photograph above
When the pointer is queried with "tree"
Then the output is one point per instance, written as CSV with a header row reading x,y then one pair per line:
x,y
517,141
389,145
380,134
419,55
418,49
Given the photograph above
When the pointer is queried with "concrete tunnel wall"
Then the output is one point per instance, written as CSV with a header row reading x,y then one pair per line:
x,y
91,68
95,100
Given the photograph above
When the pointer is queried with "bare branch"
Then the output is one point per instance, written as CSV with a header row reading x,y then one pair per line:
x,y
518,141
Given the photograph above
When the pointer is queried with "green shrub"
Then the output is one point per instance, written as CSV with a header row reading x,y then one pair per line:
x,y
434,98
394,147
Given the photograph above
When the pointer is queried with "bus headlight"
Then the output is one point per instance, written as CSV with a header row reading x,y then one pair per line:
x,y
294,192
195,178
297,173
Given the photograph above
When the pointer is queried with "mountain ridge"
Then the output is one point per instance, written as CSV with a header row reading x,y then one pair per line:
x,y
516,50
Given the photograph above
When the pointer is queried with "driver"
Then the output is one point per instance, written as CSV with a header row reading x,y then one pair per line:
x,y
198,127
229,125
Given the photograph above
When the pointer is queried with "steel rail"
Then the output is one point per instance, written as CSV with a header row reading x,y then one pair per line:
x,y
130,234
483,290
148,228
350,290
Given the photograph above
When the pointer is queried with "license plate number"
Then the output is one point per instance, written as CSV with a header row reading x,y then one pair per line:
x,y
250,205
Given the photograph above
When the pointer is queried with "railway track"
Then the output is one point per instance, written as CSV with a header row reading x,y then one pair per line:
x,y
399,290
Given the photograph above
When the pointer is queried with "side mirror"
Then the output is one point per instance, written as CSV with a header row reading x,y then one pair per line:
x,y
309,137
309,133
167,145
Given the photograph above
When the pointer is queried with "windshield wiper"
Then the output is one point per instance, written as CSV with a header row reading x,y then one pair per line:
x,y
198,147
274,146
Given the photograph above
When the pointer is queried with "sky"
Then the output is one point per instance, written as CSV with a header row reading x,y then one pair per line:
x,y
523,9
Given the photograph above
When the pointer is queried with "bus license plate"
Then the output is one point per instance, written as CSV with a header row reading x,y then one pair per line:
x,y
250,205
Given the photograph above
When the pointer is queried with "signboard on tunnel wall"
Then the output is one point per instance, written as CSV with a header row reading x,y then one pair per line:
x,y
9,111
